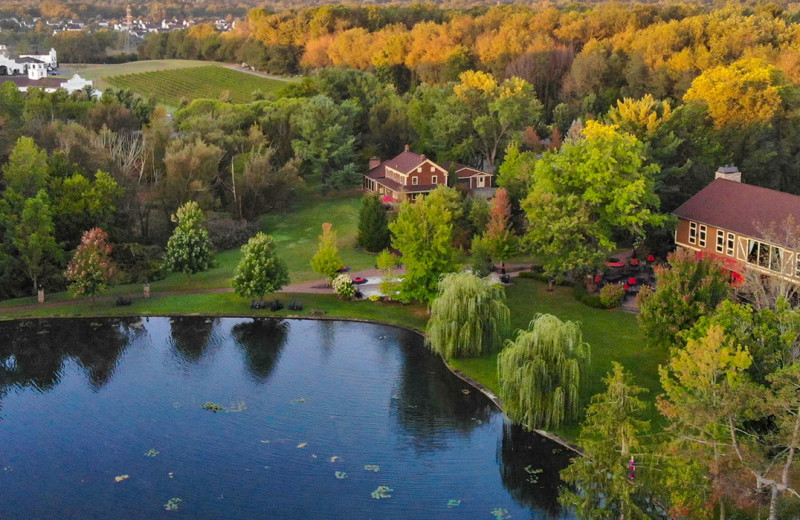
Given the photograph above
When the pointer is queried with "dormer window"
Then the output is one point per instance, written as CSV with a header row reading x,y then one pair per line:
x,y
414,180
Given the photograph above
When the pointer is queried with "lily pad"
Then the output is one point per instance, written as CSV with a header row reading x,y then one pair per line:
x,y
151,453
341,475
382,492
120,478
211,406
372,467
173,504
453,502
500,513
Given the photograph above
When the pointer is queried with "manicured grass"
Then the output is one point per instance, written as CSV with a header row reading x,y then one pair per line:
x,y
228,304
612,334
206,82
297,235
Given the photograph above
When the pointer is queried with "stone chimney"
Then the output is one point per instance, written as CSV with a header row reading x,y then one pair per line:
x,y
406,148
728,172
374,162
423,156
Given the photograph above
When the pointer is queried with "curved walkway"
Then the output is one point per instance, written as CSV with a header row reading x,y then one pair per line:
x,y
312,287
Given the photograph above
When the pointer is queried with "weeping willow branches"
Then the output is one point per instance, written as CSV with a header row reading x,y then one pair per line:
x,y
541,372
469,316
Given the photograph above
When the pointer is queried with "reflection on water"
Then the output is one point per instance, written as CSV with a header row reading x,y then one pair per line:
x,y
105,419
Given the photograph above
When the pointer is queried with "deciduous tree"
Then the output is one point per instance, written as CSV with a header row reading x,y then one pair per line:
x,y
91,268
33,238
188,249
326,261
469,317
260,271
541,373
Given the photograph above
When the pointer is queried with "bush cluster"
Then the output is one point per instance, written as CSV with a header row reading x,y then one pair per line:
x,y
611,295
343,287
226,233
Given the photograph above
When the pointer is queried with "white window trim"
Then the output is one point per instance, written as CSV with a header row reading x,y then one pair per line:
x,y
434,179
730,244
702,235
720,244
414,180
692,227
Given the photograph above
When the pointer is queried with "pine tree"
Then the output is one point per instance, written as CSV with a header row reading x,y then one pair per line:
x,y
188,249
373,225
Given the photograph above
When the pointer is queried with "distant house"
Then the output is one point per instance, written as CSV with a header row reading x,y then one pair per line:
x,y
741,225
409,175
33,65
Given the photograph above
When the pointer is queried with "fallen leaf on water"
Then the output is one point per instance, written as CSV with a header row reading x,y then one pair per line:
x,y
120,478
302,445
265,442
335,458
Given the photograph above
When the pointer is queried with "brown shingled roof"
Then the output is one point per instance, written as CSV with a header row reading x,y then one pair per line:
x,y
741,208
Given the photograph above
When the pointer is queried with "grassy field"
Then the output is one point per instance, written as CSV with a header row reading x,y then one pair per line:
x,y
209,81
99,72
612,334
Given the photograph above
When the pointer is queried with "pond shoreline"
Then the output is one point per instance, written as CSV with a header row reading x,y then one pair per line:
x,y
456,372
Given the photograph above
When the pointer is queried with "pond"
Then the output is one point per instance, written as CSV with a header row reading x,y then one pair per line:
x,y
241,419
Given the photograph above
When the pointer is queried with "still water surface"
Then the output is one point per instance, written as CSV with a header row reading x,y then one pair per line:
x,y
314,417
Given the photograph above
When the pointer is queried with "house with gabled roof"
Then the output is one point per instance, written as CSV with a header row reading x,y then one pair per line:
x,y
409,175
743,226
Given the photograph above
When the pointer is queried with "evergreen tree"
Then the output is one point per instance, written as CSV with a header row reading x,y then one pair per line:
x,y
188,249
373,225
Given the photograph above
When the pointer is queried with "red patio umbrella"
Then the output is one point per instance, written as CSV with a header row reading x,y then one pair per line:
x,y
632,281
651,258
625,287
597,278
387,199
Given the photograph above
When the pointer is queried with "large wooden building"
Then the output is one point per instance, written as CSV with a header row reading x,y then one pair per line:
x,y
409,175
744,226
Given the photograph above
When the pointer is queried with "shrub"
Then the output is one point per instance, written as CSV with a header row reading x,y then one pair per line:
x,y
374,297
612,295
586,298
226,233
343,287
138,263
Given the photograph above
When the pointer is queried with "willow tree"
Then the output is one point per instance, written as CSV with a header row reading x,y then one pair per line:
x,y
469,316
541,372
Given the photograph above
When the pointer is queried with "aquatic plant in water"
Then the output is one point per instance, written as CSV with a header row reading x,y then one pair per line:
x,y
382,492
302,445
173,504
214,407
335,458
120,478
151,453
453,503
500,514
341,475
238,407
533,474
372,467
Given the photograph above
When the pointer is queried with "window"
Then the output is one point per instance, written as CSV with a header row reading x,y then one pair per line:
x,y
414,180
720,241
433,169
702,241
419,170
692,232
797,265
775,259
434,179
731,243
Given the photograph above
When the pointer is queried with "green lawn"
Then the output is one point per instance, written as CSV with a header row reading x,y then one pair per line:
x,y
612,334
297,235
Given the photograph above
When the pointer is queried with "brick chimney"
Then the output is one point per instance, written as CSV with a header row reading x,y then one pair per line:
x,y
423,156
374,162
728,172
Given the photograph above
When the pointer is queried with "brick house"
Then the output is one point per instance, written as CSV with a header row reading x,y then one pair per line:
x,y
741,225
409,175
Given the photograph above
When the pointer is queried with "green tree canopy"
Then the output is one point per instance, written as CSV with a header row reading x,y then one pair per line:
x,y
326,261
612,436
501,240
188,249
423,233
585,192
469,317
33,238
541,373
688,289
373,224
26,171
91,268
260,271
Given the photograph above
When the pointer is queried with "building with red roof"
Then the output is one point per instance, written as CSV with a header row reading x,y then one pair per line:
x,y
744,226
409,175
